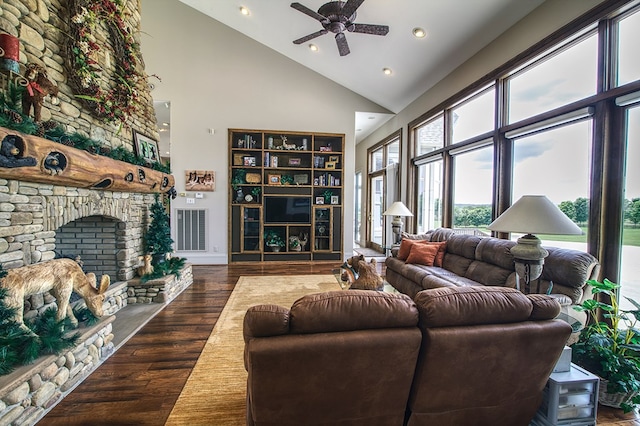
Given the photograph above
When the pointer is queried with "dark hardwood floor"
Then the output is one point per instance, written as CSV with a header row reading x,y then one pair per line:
x,y
140,383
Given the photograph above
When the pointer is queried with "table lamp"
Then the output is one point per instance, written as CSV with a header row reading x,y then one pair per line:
x,y
397,210
533,214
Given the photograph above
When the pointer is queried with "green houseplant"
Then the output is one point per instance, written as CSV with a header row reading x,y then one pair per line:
x,y
611,349
273,240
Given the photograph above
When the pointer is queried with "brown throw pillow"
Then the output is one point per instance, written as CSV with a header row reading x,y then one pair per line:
x,y
405,247
422,254
442,248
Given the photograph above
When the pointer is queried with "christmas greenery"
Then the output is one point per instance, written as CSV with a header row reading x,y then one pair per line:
x,y
12,118
157,240
44,335
158,243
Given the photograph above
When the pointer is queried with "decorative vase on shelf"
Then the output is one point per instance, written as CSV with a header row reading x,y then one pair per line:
x,y
274,247
239,195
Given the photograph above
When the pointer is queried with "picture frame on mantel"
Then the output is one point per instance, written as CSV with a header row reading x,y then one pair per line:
x,y
146,147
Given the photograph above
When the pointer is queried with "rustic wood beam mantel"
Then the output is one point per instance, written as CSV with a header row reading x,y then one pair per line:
x,y
35,159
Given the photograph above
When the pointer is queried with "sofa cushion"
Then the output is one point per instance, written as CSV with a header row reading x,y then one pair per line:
x,y
496,252
423,237
351,310
463,245
444,307
405,247
423,254
488,274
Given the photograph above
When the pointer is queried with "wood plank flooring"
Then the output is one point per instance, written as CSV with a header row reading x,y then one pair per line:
x,y
140,383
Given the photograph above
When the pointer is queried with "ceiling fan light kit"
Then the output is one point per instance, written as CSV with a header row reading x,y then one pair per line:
x,y
338,17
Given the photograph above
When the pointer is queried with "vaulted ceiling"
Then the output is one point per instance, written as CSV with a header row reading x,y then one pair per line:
x,y
455,31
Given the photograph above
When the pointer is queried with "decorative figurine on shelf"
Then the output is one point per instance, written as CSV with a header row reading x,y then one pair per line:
x,y
11,153
38,87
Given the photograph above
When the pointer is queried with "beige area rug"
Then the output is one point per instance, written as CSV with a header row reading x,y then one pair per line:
x,y
216,389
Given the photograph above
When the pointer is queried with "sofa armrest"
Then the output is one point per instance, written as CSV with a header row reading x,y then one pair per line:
x,y
264,321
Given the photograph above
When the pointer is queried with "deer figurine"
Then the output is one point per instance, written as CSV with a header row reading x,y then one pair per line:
x,y
59,276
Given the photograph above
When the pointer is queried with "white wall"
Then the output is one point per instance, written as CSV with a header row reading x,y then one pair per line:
x,y
547,18
217,78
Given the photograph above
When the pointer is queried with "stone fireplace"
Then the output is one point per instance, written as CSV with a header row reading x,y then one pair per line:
x,y
40,222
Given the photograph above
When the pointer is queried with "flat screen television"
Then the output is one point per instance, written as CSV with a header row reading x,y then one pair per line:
x,y
288,209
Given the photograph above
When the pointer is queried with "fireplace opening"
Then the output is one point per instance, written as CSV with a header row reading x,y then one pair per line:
x,y
94,241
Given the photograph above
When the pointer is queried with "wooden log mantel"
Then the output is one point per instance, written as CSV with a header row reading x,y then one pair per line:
x,y
35,159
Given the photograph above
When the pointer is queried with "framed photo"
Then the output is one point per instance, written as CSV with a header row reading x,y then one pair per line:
x,y
330,165
334,158
294,162
250,161
146,147
200,180
274,179
301,179
319,200
335,199
238,159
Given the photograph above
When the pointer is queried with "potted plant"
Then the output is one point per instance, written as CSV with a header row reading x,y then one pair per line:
x,y
611,349
294,243
273,240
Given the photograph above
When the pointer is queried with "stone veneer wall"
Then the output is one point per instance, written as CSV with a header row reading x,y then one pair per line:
x,y
31,213
40,25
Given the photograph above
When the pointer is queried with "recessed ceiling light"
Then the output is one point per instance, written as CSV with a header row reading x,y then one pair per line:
x,y
244,10
358,130
313,47
387,71
371,117
419,32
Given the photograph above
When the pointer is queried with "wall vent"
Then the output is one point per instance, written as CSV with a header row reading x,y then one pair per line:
x,y
191,230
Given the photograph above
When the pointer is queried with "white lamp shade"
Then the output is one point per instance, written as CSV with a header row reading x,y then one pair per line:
x,y
535,214
397,209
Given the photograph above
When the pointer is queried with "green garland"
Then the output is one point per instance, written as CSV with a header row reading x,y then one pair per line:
x,y
121,100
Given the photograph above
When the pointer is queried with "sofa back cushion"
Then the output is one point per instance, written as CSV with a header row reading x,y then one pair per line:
x,y
446,307
351,310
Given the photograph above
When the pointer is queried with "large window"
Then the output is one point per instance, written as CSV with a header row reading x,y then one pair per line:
x,y
630,269
628,58
473,188
556,163
474,116
553,128
429,136
560,77
430,196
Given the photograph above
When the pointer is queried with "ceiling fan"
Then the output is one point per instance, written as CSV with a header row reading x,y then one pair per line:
x,y
338,17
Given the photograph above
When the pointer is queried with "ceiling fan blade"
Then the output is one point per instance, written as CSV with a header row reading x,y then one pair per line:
x,y
304,9
350,7
343,46
310,36
380,30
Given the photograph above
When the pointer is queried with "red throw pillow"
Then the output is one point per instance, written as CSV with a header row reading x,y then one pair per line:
x,y
405,247
442,248
422,254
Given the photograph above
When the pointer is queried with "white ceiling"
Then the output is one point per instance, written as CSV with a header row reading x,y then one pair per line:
x,y
456,30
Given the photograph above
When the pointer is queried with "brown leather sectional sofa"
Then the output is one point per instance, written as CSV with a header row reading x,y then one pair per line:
x,y
453,356
472,260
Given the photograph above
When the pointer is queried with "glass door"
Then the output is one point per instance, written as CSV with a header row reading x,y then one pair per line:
x,y
376,206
